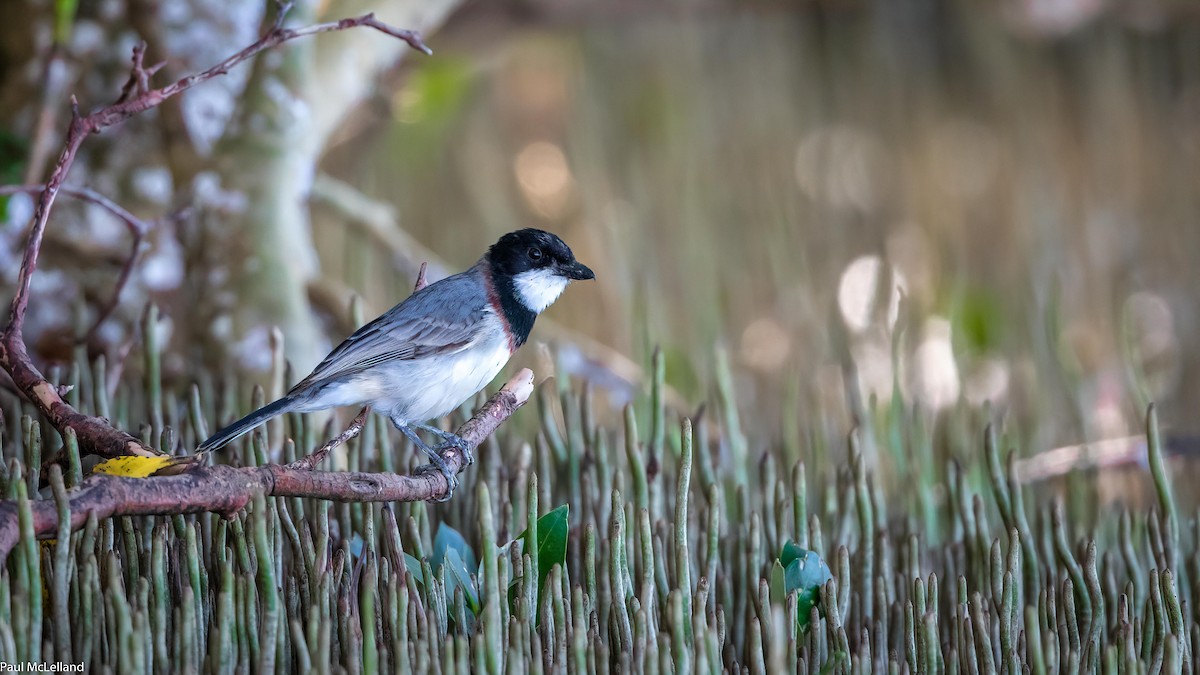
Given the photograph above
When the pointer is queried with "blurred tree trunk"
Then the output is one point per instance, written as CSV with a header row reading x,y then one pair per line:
x,y
268,154
248,252
294,102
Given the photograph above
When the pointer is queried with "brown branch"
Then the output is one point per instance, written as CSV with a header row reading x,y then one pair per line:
x,y
226,490
139,75
106,310
97,435
421,282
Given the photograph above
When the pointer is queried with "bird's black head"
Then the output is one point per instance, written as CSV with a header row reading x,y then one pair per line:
x,y
531,250
529,270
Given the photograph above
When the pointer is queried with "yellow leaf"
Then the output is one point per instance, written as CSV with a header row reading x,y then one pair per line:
x,y
134,467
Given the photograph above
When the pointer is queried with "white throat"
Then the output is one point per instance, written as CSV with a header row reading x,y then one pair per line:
x,y
538,289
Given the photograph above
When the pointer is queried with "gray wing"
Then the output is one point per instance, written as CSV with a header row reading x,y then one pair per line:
x,y
442,318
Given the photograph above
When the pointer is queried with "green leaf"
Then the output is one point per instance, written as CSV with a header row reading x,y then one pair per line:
x,y
64,19
552,542
791,551
978,321
13,151
553,529
432,100
805,573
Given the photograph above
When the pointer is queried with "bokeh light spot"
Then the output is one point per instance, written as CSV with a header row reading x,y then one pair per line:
x,y
544,177
858,290
765,345
937,382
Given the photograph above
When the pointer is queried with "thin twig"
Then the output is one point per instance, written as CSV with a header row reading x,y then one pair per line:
x,y
226,490
135,252
421,282
179,151
139,76
314,459
136,226
138,229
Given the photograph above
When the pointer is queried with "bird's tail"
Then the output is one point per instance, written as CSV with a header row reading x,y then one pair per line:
x,y
231,432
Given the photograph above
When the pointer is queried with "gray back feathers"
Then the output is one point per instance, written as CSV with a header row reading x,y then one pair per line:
x,y
444,317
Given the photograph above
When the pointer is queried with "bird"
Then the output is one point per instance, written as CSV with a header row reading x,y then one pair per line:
x,y
440,346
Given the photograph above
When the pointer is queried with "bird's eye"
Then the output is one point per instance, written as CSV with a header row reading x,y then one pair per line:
x,y
535,254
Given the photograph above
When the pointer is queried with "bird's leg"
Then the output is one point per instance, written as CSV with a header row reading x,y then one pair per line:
x,y
449,440
437,463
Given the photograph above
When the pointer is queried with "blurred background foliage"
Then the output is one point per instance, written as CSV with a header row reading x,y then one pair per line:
x,y
974,203
934,204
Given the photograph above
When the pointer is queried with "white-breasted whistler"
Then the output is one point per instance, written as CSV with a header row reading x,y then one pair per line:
x,y
427,355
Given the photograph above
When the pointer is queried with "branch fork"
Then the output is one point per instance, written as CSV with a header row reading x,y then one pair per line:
x,y
96,435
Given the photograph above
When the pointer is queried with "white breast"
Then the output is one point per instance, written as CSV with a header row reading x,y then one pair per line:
x,y
448,380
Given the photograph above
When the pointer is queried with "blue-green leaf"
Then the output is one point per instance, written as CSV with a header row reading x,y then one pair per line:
x,y
414,568
459,575
805,573
449,538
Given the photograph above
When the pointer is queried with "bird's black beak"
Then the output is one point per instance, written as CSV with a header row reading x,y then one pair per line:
x,y
576,270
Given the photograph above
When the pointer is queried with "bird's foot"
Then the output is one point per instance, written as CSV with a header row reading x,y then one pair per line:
x,y
457,443
450,440
439,465
437,462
